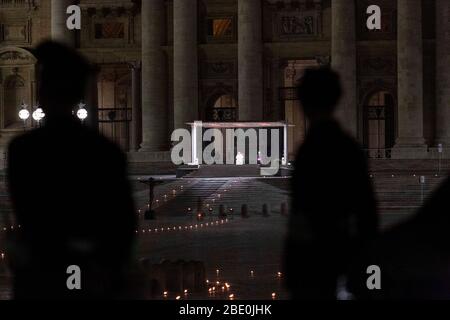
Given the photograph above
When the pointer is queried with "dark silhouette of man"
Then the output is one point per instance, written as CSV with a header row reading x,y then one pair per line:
x,y
414,256
70,194
333,211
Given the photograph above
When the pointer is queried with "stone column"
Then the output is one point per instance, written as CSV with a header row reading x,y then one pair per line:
x,y
59,17
136,123
250,56
410,142
343,60
443,72
154,78
185,62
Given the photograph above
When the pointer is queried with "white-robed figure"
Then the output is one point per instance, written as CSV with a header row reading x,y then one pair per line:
x,y
239,159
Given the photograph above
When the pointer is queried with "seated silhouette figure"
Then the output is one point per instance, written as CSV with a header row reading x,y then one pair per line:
x,y
70,193
333,208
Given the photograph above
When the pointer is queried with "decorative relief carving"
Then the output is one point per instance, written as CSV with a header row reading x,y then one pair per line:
x,y
14,4
378,66
17,33
13,55
220,70
294,24
296,20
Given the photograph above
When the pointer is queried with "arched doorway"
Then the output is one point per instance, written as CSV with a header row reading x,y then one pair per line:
x,y
379,134
114,103
17,86
222,108
14,96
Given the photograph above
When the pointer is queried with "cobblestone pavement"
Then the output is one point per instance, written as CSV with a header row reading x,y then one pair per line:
x,y
233,245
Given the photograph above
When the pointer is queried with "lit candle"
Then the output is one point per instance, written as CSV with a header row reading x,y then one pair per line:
x,y
178,298
274,296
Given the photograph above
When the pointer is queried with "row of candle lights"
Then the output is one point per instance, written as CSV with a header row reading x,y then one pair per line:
x,y
185,228
218,288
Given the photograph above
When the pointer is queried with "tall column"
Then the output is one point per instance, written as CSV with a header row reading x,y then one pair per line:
x,y
154,78
343,60
443,72
250,55
185,62
410,142
59,17
136,123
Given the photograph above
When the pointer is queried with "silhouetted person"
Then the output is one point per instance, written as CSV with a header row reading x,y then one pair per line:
x,y
333,211
414,256
70,193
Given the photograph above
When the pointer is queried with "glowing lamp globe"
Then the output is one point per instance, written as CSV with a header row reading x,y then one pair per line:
x,y
38,114
82,114
24,114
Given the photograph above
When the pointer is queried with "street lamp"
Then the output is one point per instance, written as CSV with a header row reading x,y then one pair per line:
x,y
82,113
38,115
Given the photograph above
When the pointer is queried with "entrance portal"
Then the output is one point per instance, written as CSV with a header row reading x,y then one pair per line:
x,y
379,125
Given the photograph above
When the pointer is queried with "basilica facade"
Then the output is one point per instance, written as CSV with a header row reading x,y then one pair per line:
x,y
165,63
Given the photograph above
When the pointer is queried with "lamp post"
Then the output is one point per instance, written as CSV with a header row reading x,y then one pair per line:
x,y
24,114
38,115
440,150
422,186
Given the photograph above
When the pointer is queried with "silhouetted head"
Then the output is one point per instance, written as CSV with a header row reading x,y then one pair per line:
x,y
63,75
319,92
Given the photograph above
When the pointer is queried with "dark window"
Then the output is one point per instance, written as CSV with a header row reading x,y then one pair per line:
x,y
220,28
109,30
